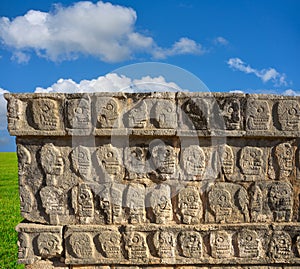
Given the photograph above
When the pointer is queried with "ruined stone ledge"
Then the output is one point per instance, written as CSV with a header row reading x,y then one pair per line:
x,y
151,114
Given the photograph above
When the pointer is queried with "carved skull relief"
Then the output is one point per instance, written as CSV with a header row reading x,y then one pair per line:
x,y
82,163
79,113
110,242
107,111
251,160
190,243
248,244
221,246
281,201
45,114
280,245
189,205
193,160
165,114
137,116
49,245
288,115
81,245
258,115
164,243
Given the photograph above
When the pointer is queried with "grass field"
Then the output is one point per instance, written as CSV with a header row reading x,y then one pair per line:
x,y
9,210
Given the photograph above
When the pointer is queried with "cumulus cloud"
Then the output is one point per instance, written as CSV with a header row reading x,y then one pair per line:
x,y
266,75
102,30
112,82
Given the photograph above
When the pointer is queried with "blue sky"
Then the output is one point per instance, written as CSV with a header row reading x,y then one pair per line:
x,y
251,46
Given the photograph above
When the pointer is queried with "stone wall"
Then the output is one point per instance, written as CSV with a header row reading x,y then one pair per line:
x,y
170,180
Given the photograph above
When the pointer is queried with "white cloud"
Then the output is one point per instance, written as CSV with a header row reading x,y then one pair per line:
x,y
20,57
236,91
112,83
3,122
266,75
291,92
221,41
183,46
102,30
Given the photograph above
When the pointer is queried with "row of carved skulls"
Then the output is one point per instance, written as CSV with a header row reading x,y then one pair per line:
x,y
224,203
160,161
139,246
197,113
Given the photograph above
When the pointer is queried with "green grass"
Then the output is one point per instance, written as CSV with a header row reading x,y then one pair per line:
x,y
9,210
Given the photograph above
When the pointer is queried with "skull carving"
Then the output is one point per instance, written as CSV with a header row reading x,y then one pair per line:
x,y
220,242
110,161
82,163
193,160
281,201
227,160
79,113
231,114
248,244
189,205
190,244
258,115
251,160
81,245
110,244
49,245
285,157
45,114
107,112
165,114
288,115
220,203
164,159
164,243
280,245
137,116
136,246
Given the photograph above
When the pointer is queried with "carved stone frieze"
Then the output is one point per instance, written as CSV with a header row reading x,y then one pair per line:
x,y
157,180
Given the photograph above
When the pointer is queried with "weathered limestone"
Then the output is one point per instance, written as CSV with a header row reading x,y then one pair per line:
x,y
169,180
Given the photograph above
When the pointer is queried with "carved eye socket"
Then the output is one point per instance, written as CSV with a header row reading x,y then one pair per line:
x,y
167,153
260,109
82,196
191,199
249,238
220,239
50,243
135,239
113,239
78,110
109,154
282,241
222,198
292,111
169,109
230,109
109,107
284,192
